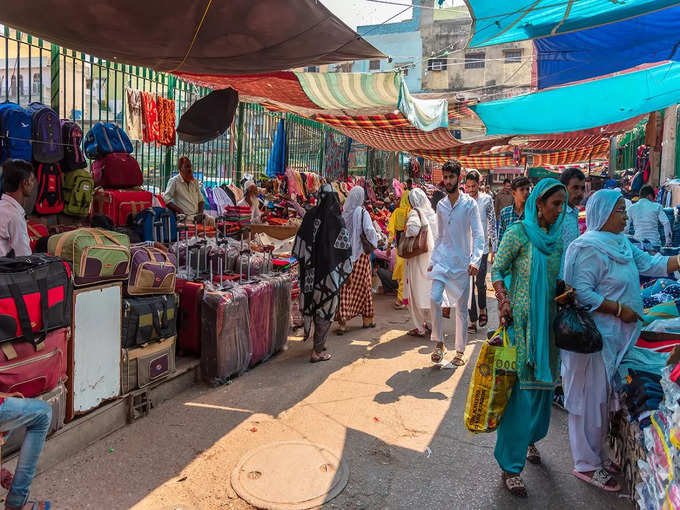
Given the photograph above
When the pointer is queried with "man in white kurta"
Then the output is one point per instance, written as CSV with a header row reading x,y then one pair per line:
x,y
456,256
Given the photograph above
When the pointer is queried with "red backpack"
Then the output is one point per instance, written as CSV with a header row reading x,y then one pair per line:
x,y
49,198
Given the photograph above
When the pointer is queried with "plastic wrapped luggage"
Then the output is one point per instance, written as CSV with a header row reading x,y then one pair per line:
x,y
225,340
143,365
260,305
280,318
189,316
250,264
148,319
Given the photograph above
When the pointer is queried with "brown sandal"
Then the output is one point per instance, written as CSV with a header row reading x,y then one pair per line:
x,y
515,485
533,455
416,333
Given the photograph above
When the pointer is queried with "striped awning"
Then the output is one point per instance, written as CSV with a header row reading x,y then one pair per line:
x,y
572,156
564,143
387,121
349,91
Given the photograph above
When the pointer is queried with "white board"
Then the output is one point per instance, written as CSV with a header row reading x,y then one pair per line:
x,y
96,346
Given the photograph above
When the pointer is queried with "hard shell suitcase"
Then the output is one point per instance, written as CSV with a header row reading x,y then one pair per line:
x,y
56,398
143,365
152,271
225,339
117,170
97,255
32,371
189,316
280,316
120,204
35,297
157,224
148,318
260,304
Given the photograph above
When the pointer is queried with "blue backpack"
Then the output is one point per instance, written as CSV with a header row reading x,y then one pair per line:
x,y
15,132
106,138
47,145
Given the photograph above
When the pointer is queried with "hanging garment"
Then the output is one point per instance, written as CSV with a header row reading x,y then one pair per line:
x,y
150,111
133,114
166,121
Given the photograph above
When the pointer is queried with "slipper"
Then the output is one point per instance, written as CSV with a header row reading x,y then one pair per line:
x,y
483,320
416,333
6,478
324,357
515,485
533,455
599,480
437,355
611,466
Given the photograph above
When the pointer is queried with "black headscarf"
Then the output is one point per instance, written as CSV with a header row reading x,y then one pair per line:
x,y
323,249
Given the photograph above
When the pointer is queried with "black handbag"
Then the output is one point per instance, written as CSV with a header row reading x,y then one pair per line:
x,y
576,331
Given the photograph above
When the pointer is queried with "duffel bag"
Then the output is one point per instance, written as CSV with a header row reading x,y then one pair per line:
x,y
97,255
148,318
105,138
141,366
117,170
120,204
157,224
35,297
32,371
152,271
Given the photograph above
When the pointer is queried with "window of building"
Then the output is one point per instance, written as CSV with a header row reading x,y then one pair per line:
x,y
403,66
312,69
474,61
36,83
437,64
374,65
512,56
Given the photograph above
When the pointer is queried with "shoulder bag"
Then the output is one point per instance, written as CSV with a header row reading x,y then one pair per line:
x,y
410,247
365,243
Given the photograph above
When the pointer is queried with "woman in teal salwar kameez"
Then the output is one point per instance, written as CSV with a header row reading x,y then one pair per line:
x,y
531,252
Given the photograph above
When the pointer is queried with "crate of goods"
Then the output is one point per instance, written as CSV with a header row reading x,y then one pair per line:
x,y
152,271
121,205
148,318
56,398
94,352
225,339
141,366
97,255
35,297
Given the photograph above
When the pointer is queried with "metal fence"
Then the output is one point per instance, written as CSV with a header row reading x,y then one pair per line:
x,y
89,89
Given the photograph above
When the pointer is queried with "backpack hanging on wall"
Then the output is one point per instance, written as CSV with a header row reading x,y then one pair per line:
x,y
46,128
15,130
72,138
49,198
78,190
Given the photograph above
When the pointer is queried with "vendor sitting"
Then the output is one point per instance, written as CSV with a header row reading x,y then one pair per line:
x,y
250,200
18,180
183,194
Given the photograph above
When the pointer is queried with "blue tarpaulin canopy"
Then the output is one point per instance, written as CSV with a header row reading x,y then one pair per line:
x,y
496,21
607,49
584,105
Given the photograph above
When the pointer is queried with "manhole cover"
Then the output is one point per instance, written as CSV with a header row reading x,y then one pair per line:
x,y
289,475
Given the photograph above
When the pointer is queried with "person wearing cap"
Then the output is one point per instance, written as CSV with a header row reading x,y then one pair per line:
x,y
183,193
250,200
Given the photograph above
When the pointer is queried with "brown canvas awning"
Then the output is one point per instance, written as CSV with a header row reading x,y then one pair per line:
x,y
194,36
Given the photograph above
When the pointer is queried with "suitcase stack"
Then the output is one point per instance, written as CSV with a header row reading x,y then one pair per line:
x,y
35,305
116,174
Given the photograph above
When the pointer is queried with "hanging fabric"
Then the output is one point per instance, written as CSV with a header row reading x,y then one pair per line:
x,y
133,114
150,111
276,164
166,121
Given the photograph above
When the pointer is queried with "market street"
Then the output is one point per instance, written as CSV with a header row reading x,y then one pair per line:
x,y
397,422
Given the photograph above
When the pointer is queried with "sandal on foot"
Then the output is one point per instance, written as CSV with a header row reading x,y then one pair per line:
x,y
321,357
472,329
401,306
6,478
366,326
533,455
611,466
515,485
416,332
340,331
437,355
456,362
483,320
601,479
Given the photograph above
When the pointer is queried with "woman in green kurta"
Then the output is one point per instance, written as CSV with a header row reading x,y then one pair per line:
x,y
531,251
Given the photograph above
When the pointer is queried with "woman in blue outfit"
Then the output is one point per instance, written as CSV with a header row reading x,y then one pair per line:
x,y
531,252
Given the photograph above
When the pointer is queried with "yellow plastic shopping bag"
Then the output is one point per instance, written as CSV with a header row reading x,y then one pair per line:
x,y
491,385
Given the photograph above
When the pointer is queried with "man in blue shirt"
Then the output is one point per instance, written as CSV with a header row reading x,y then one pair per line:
x,y
515,212
575,182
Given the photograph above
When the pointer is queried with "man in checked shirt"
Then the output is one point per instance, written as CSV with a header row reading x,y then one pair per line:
x,y
488,216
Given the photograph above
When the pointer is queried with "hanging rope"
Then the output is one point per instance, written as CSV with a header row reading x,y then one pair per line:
x,y
193,41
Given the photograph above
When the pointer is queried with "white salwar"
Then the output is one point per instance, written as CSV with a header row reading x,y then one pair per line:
x,y
459,244
596,270
418,287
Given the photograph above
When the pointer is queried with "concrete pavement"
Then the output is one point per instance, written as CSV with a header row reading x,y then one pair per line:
x,y
396,421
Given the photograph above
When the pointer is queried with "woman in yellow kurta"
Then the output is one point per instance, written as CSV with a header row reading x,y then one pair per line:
x,y
395,228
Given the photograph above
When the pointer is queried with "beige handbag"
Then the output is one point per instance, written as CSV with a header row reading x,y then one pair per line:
x,y
410,247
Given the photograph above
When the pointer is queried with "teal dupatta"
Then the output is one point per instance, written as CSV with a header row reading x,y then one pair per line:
x,y
543,243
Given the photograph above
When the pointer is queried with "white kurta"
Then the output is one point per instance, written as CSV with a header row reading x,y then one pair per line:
x,y
459,244
418,286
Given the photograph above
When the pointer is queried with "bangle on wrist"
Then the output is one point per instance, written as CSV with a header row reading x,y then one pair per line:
x,y
618,312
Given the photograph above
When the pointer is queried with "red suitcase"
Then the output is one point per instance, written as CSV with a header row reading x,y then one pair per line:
x,y
119,204
189,317
117,170
260,305
32,372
